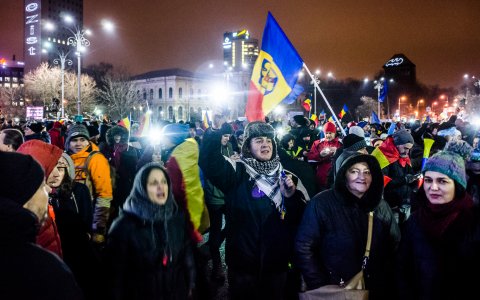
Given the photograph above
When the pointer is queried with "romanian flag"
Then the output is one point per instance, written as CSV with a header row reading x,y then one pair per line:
x,y
187,189
205,120
344,111
307,104
125,122
144,125
275,72
314,119
330,119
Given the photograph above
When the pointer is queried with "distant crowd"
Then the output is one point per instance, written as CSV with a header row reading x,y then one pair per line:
x,y
92,211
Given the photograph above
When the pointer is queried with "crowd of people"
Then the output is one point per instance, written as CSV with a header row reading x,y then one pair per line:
x,y
90,211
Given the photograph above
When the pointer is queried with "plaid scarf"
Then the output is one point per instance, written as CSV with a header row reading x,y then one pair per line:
x,y
267,177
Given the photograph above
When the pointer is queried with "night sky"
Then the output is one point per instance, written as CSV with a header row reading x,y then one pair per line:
x,y
351,38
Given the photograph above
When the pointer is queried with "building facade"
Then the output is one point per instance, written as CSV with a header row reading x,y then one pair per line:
x,y
12,101
173,94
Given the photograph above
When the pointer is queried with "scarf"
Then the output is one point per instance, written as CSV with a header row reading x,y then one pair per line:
x,y
436,219
267,177
140,205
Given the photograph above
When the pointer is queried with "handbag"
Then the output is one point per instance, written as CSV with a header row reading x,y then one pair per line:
x,y
354,289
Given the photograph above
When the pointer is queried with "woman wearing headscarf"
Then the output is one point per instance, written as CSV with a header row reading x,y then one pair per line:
x,y
263,209
149,251
439,255
332,237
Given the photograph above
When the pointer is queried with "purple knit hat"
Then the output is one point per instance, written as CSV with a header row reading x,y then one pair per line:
x,y
450,164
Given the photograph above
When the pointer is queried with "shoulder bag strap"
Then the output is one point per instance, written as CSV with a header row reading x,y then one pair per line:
x,y
369,240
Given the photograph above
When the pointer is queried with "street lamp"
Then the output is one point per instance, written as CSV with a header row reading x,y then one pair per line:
x,y
379,86
79,41
399,100
62,59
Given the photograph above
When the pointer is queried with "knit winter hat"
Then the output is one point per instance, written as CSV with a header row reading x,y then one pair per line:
x,y
448,163
258,129
300,120
71,165
329,127
20,178
352,142
75,131
47,155
36,127
402,137
357,130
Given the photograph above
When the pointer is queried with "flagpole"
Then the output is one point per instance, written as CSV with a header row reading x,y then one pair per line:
x,y
129,129
325,99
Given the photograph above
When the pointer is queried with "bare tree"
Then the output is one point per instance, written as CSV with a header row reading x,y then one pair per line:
x,y
368,105
89,93
45,84
118,93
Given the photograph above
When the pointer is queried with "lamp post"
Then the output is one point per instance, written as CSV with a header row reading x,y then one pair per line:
x,y
399,101
79,41
62,59
379,86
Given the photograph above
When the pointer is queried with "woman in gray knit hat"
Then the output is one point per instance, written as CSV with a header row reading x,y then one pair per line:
x,y
264,205
439,254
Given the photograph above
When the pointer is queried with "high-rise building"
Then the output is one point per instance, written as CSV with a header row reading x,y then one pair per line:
x,y
37,36
239,50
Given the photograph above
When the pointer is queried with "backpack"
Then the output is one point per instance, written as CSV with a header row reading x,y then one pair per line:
x,y
79,170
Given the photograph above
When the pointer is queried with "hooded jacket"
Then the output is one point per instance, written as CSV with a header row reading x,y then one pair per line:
x,y
330,243
27,270
47,156
149,249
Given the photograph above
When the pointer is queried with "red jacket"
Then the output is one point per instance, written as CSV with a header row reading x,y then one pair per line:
x,y
324,163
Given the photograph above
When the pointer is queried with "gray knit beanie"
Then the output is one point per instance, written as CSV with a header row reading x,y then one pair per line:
x,y
75,131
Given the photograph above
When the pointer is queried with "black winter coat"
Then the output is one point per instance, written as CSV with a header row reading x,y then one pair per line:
x,y
26,270
331,239
445,268
397,191
258,241
137,261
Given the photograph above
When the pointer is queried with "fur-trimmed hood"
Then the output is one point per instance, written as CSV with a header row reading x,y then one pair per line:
x,y
117,130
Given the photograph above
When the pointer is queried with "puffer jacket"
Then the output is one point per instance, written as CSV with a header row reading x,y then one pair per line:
x,y
101,185
330,243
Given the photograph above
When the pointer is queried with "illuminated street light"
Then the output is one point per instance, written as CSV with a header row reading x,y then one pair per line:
x,y
61,60
330,75
79,41
379,86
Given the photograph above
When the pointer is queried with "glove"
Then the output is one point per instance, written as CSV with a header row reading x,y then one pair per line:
x,y
409,178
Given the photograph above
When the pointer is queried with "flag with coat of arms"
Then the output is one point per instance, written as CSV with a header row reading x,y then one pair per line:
x,y
274,74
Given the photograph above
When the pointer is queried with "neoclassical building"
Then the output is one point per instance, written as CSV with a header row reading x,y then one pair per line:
x,y
176,94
